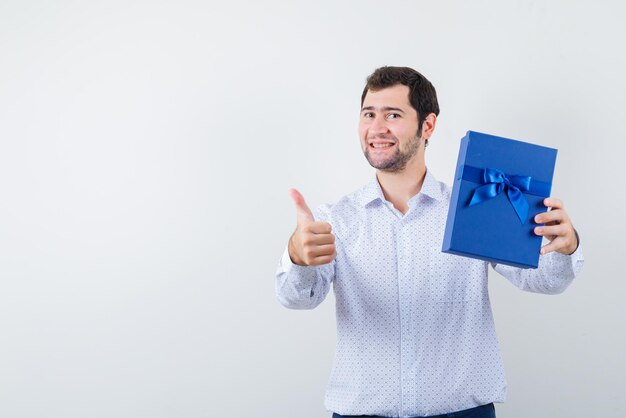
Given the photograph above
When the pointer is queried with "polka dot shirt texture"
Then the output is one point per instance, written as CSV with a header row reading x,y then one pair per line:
x,y
415,332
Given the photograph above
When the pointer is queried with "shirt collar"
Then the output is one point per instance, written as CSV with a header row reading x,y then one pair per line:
x,y
372,191
431,187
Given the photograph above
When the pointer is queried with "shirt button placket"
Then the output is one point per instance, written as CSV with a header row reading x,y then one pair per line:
x,y
402,247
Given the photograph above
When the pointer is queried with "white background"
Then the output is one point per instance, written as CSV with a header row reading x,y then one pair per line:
x,y
146,150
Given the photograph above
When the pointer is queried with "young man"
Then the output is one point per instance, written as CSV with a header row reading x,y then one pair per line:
x,y
415,333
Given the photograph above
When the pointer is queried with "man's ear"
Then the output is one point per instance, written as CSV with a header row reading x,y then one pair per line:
x,y
428,125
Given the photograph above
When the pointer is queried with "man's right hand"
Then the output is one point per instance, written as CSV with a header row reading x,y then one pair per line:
x,y
312,243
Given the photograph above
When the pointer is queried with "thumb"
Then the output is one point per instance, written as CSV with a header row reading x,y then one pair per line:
x,y
302,209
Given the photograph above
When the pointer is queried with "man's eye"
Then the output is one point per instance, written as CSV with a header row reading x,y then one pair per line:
x,y
368,115
393,116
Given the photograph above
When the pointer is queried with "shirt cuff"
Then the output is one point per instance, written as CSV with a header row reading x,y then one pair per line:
x,y
285,262
575,260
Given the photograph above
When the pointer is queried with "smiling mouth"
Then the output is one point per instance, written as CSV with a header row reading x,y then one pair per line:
x,y
381,145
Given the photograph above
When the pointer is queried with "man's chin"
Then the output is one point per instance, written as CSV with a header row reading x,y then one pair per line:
x,y
392,163
386,166
379,163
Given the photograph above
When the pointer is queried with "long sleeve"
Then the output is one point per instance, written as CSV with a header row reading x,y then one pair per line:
x,y
301,287
553,275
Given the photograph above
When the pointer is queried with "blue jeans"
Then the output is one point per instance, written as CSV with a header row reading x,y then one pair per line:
x,y
485,411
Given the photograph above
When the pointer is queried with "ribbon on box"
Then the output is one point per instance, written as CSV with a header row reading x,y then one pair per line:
x,y
495,182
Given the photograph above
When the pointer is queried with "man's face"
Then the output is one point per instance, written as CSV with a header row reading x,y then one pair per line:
x,y
388,128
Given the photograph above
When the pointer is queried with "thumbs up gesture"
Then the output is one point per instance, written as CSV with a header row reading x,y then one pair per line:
x,y
312,243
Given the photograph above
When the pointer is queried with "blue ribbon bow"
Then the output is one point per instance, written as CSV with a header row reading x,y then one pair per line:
x,y
495,182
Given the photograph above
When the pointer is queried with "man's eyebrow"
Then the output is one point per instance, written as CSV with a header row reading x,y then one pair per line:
x,y
384,109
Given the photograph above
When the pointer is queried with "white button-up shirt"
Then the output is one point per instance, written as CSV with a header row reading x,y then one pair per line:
x,y
415,332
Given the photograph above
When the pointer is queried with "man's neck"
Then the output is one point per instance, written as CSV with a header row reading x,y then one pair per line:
x,y
401,186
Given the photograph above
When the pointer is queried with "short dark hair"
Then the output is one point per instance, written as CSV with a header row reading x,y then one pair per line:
x,y
422,94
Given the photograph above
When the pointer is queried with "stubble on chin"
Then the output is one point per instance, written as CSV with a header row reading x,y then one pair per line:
x,y
396,162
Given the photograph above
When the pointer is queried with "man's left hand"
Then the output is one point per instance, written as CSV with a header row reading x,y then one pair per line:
x,y
558,228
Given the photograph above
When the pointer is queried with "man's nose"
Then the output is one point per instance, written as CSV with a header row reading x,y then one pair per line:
x,y
378,126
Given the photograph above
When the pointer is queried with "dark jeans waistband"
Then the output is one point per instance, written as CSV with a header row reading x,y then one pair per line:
x,y
484,411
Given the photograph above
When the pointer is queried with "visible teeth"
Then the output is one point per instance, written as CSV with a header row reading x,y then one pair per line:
x,y
382,145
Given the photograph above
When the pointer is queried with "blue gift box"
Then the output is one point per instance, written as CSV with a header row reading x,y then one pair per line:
x,y
499,187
